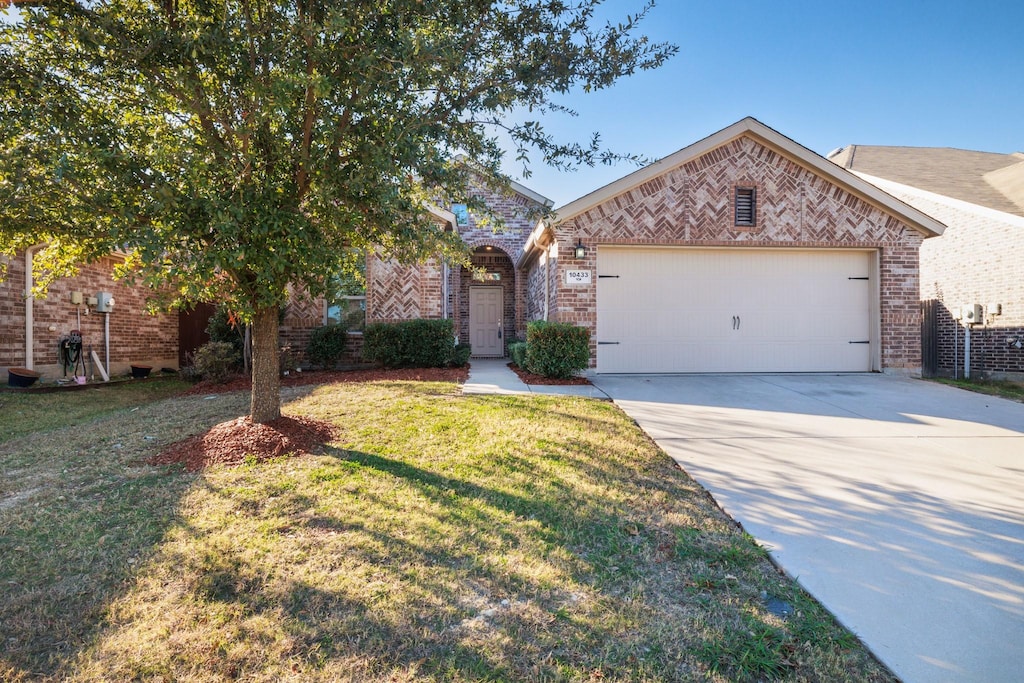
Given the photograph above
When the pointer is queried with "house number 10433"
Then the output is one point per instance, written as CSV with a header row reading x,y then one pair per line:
x,y
577,277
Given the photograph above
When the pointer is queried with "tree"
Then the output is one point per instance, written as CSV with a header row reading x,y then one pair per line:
x,y
234,147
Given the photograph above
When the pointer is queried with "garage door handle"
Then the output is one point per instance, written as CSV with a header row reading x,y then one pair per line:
x,y
859,342
736,322
606,343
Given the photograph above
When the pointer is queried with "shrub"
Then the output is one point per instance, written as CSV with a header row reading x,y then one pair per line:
x,y
410,343
556,349
517,352
461,354
224,326
215,361
288,360
355,320
327,345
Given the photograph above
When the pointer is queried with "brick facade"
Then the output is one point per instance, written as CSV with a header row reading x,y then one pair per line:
x,y
492,261
691,205
135,336
399,292
403,292
979,259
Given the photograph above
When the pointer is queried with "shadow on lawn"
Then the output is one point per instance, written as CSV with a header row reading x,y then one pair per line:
x,y
558,563
62,565
447,601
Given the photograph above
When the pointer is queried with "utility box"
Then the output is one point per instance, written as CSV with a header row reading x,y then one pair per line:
x,y
104,302
76,298
972,314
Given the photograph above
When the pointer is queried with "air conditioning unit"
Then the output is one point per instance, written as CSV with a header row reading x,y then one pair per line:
x,y
972,314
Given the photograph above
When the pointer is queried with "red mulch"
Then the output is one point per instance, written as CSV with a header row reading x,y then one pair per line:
x,y
229,443
242,383
530,378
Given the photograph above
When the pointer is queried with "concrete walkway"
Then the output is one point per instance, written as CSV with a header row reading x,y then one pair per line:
x,y
898,503
493,376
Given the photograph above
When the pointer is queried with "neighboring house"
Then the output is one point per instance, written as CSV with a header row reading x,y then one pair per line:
x,y
979,259
31,327
744,252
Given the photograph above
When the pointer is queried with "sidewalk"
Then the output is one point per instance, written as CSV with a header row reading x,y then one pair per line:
x,y
493,376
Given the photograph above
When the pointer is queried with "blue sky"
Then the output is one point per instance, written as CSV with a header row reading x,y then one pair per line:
x,y
826,74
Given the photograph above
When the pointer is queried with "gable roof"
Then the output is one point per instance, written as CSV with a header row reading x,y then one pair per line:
x,y
535,197
988,179
753,128
518,188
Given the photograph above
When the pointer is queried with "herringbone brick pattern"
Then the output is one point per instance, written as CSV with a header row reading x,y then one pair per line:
x,y
692,205
402,292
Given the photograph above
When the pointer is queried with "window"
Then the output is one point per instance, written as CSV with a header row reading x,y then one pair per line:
x,y
346,303
746,206
349,311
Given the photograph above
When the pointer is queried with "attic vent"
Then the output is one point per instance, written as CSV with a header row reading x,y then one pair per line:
x,y
746,206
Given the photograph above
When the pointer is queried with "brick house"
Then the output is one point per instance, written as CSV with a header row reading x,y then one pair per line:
x,y
31,327
486,311
978,260
743,252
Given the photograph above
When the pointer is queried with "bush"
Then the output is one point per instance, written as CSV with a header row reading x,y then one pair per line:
x,y
215,361
517,352
556,349
410,343
224,326
327,345
461,354
288,360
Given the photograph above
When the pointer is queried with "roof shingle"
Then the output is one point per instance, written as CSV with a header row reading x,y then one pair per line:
x,y
988,179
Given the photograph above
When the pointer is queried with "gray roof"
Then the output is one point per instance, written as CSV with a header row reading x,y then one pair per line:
x,y
988,179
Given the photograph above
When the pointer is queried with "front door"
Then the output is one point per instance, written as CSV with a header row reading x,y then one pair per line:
x,y
485,313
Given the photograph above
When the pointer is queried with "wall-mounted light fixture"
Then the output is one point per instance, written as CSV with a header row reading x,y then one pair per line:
x,y
579,251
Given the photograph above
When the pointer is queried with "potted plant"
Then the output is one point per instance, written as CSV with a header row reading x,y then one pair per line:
x,y
141,371
21,377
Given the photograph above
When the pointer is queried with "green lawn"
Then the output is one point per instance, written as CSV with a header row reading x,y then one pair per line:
x,y
993,387
439,537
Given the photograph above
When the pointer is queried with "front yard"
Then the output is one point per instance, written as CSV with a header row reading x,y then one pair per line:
x,y
438,537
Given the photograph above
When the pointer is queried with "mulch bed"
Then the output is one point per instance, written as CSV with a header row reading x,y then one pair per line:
x,y
240,440
235,441
530,378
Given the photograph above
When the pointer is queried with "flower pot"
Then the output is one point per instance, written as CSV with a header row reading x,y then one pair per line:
x,y
141,371
21,377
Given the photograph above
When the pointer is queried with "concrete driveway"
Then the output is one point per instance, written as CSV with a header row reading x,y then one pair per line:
x,y
898,503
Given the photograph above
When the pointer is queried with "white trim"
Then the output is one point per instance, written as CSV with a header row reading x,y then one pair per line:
x,y
442,214
530,194
29,308
532,246
753,128
977,209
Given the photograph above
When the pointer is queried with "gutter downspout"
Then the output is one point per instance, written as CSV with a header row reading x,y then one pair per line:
x,y
547,282
29,312
445,275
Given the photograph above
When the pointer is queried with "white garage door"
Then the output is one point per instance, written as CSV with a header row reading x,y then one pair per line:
x,y
733,310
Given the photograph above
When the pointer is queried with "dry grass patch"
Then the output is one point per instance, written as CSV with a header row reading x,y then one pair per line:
x,y
438,537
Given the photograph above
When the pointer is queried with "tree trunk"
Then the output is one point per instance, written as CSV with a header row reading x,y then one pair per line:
x,y
247,350
266,377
